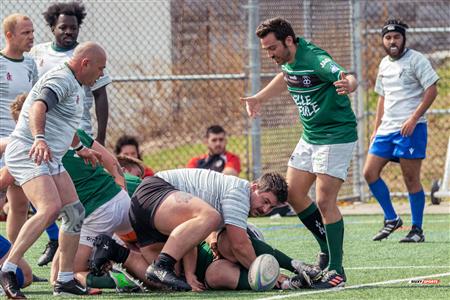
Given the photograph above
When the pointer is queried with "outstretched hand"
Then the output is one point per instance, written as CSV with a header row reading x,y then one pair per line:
x,y
253,106
343,85
90,156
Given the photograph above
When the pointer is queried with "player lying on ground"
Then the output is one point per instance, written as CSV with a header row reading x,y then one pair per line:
x,y
212,269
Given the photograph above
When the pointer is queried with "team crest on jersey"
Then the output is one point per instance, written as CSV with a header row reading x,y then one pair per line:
x,y
41,62
306,81
334,69
29,76
9,76
78,99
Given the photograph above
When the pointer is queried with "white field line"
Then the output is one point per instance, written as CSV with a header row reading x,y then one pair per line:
x,y
356,286
397,267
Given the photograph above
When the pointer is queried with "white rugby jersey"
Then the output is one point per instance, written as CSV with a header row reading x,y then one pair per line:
x,y
16,77
62,120
229,195
47,57
402,82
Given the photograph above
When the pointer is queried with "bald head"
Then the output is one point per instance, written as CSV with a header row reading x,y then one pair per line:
x,y
10,22
88,62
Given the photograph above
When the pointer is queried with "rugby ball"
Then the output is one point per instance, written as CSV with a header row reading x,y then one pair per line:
x,y
263,273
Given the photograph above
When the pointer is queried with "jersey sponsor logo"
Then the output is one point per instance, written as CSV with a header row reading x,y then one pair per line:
x,y
304,81
334,68
324,62
306,106
9,76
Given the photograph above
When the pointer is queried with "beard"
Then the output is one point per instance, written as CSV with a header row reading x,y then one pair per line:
x,y
395,54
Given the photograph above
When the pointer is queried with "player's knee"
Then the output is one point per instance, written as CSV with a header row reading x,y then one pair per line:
x,y
370,175
72,217
220,275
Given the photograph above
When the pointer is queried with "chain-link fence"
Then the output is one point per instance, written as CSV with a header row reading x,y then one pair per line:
x,y
179,66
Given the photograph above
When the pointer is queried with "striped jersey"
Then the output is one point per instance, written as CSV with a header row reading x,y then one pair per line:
x,y
16,77
47,56
327,117
62,120
229,195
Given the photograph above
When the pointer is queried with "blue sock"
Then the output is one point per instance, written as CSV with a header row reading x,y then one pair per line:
x,y
20,277
417,202
52,231
380,191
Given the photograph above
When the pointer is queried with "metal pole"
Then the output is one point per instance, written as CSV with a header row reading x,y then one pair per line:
x,y
358,181
307,19
255,82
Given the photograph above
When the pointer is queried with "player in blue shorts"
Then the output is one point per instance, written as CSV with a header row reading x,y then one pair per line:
x,y
406,85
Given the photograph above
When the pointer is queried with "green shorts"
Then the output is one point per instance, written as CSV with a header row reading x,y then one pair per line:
x,y
204,258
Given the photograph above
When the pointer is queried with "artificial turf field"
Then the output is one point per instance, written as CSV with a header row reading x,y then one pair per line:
x,y
375,270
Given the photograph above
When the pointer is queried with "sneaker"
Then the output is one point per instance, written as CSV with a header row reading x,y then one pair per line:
x,y
322,260
414,236
166,277
330,279
8,281
125,283
314,272
72,287
101,254
48,254
389,227
299,281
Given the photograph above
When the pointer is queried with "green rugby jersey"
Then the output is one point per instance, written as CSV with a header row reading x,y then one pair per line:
x,y
94,185
132,183
327,117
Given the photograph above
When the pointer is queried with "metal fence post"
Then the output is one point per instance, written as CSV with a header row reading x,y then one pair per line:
x,y
358,163
255,83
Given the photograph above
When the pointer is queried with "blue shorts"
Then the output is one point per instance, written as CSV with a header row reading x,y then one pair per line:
x,y
395,146
5,245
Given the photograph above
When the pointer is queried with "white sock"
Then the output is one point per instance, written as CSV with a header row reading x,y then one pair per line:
x,y
9,267
65,276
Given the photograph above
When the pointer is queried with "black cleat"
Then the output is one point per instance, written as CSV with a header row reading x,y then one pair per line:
x,y
101,254
330,279
48,254
39,279
72,287
322,260
299,281
414,236
8,281
167,277
314,272
389,227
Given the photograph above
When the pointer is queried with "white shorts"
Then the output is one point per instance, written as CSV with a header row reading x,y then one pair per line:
x,y
332,160
109,218
23,168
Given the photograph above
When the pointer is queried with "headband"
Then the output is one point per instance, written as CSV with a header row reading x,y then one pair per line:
x,y
393,27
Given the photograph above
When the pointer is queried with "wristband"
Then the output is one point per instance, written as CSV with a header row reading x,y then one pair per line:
x,y
79,147
39,137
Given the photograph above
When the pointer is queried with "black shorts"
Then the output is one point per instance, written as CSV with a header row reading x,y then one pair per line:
x,y
146,199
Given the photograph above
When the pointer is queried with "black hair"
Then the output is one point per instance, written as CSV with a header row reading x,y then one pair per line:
x,y
215,129
126,140
69,9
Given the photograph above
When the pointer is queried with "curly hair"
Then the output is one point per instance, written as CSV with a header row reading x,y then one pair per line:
x,y
69,9
126,140
16,106
275,183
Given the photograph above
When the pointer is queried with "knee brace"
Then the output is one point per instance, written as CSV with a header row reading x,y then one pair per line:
x,y
72,217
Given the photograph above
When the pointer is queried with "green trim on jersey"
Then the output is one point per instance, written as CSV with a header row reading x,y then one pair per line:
x,y
132,183
62,49
94,185
13,59
327,117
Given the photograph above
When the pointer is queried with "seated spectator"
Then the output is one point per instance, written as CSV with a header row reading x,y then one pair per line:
x,y
217,158
128,145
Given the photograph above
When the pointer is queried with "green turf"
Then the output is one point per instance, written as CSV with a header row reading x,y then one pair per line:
x,y
365,261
